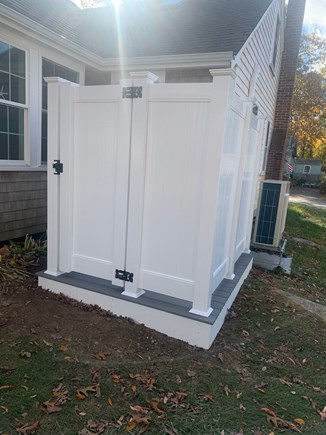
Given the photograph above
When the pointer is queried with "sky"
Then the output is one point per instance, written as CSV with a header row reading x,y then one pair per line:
x,y
315,16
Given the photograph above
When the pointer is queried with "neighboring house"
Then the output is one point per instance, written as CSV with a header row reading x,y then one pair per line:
x,y
307,171
157,193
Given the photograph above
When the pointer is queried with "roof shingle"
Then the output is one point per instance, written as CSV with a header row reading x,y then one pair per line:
x,y
147,28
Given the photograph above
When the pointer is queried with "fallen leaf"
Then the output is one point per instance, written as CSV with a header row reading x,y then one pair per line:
x,y
319,390
6,387
208,398
5,409
277,328
51,407
101,355
134,375
191,373
82,393
47,343
109,401
56,337
27,429
154,405
131,426
220,356
178,379
285,382
276,421
242,408
322,414
96,376
133,388
292,360
61,397
25,353
227,390
64,347
299,421
269,411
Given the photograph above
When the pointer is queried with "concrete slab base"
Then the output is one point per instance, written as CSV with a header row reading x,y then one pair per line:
x,y
268,261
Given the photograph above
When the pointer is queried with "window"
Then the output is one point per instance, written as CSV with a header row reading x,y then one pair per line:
x,y
306,169
12,102
276,43
266,147
52,69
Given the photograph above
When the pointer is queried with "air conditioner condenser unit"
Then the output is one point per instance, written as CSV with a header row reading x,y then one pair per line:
x,y
271,216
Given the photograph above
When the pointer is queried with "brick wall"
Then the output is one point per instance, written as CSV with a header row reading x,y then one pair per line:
x,y
292,36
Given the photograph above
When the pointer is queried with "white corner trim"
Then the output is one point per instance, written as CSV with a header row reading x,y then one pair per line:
x,y
48,272
55,80
201,313
144,75
219,72
230,277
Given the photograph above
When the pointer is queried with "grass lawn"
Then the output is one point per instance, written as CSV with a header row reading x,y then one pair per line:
x,y
66,368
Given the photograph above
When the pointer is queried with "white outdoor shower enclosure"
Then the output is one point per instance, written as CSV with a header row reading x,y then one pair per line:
x,y
151,216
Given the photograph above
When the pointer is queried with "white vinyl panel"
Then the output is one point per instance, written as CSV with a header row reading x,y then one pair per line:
x,y
226,196
172,195
95,154
247,186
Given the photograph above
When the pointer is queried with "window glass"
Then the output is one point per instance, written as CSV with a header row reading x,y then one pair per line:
x,y
12,73
306,169
52,69
276,39
11,133
12,90
17,62
4,57
266,147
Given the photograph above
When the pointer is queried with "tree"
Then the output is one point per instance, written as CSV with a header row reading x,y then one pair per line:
x,y
308,117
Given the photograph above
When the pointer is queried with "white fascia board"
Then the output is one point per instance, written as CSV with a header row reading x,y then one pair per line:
x,y
41,34
196,60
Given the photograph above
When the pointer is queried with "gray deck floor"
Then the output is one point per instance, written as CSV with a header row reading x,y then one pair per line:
x,y
154,300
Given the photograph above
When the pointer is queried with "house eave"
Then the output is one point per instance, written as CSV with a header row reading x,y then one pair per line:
x,y
41,34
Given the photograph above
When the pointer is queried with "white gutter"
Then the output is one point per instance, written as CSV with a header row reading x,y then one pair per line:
x,y
41,34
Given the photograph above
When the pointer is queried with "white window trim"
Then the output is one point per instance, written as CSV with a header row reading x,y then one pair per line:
x,y
266,145
276,44
34,52
19,163
306,172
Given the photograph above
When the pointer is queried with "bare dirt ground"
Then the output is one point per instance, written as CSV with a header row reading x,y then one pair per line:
x,y
24,307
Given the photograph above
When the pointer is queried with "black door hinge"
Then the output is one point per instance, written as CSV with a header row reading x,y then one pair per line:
x,y
58,167
132,92
124,275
